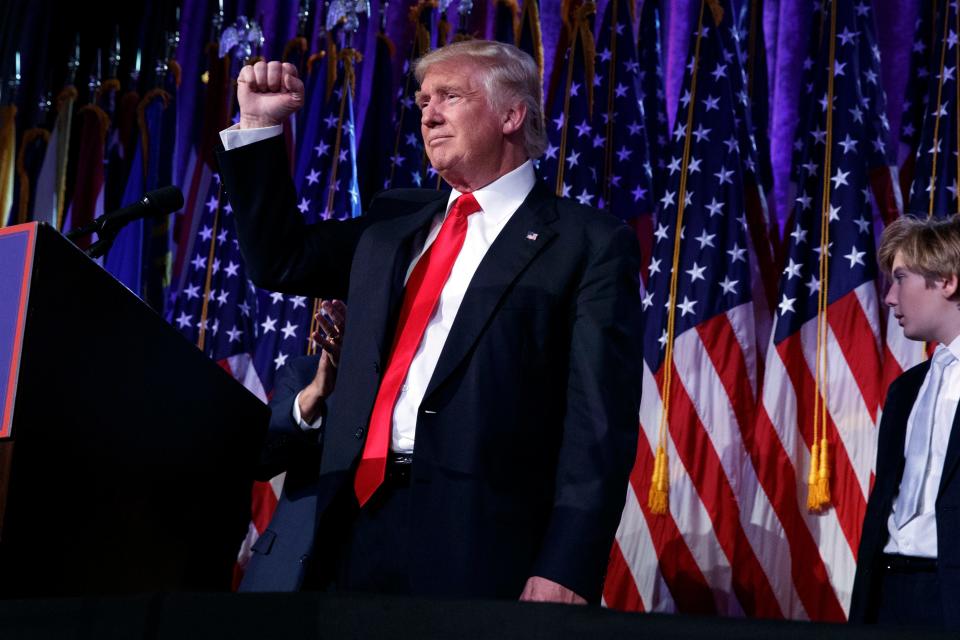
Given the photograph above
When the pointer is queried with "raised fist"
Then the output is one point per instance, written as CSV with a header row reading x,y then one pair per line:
x,y
268,92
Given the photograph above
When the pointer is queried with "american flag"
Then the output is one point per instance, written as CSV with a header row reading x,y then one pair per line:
x,y
140,256
651,92
87,201
506,20
573,161
627,170
766,233
200,183
529,37
373,165
923,57
930,138
409,166
716,548
822,380
934,188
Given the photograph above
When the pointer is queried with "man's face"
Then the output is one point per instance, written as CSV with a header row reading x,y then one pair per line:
x,y
920,309
462,133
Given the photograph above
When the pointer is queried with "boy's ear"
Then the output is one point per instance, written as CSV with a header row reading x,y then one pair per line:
x,y
949,286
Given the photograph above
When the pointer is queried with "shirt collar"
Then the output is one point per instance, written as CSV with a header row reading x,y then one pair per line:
x,y
502,197
954,347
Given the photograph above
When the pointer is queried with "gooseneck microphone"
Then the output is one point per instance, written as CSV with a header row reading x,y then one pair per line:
x,y
158,202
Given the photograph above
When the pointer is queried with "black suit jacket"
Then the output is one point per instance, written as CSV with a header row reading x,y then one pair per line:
x,y
528,428
890,463
288,447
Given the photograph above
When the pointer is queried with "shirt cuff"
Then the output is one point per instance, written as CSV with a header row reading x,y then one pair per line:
x,y
305,426
233,137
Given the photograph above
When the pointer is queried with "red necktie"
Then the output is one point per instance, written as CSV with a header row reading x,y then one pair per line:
x,y
419,300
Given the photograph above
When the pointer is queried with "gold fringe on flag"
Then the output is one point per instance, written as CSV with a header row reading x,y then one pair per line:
x,y
818,490
298,45
8,143
443,30
717,10
421,37
174,69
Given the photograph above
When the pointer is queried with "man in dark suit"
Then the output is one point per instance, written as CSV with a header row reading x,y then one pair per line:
x,y
908,566
485,419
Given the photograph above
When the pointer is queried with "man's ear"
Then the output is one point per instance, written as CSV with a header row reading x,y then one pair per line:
x,y
514,117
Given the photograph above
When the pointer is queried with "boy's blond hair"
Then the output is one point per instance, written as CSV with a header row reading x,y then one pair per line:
x,y
929,246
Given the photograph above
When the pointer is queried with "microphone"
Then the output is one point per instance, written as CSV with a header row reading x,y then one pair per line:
x,y
154,203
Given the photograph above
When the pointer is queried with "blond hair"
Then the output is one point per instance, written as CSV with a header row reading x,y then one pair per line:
x,y
508,74
928,246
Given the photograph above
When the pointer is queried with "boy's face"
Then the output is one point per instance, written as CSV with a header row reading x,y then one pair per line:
x,y
925,312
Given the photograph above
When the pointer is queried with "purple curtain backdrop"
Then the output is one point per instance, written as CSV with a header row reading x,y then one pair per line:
x,y
786,25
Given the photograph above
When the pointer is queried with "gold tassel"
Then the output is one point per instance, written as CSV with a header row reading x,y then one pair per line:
x,y
823,476
812,503
659,485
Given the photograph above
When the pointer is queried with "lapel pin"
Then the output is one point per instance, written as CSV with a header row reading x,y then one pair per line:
x,y
531,235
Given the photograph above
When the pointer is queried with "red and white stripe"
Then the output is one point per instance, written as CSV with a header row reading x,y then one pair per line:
x,y
738,539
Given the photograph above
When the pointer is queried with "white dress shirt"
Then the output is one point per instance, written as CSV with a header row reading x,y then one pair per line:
x,y
498,200
298,418
918,537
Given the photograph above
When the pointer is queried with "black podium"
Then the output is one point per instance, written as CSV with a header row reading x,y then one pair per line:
x,y
126,455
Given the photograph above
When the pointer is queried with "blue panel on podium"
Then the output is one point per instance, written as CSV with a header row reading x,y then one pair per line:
x,y
16,257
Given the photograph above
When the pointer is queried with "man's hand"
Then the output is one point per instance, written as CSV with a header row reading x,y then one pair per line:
x,y
542,590
268,92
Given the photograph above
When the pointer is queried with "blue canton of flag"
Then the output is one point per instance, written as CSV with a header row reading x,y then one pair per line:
x,y
378,128
573,161
310,125
714,261
935,180
409,166
651,92
221,319
619,118
753,59
328,185
923,60
859,142
756,169
807,75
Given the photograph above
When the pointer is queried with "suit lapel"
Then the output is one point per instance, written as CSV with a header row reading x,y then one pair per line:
x,y
522,238
391,254
952,457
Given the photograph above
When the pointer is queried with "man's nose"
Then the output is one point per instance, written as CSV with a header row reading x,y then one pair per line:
x,y
430,116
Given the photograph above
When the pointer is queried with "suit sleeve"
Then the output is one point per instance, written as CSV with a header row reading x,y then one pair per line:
x,y
286,443
282,252
601,425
